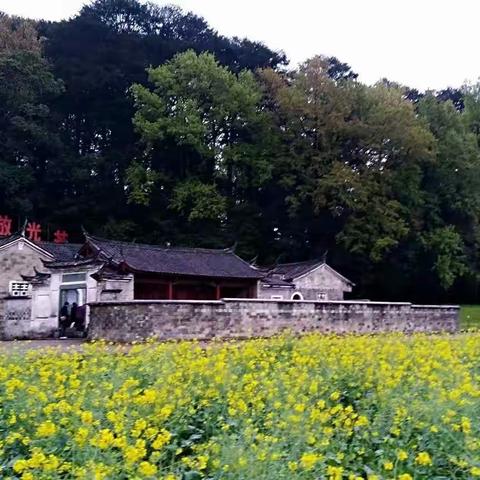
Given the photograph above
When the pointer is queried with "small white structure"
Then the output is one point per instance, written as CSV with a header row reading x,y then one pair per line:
x,y
25,311
311,280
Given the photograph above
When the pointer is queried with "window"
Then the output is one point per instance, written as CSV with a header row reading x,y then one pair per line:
x,y
276,297
322,296
19,289
297,296
74,277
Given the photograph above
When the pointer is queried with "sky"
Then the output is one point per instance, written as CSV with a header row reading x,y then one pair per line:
x,y
427,44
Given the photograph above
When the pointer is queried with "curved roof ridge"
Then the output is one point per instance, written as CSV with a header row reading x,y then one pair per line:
x,y
156,246
314,261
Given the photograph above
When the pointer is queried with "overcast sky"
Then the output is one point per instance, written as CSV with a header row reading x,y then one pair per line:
x,y
420,43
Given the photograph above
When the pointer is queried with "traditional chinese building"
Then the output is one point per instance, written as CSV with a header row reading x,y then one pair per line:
x,y
311,280
22,260
38,278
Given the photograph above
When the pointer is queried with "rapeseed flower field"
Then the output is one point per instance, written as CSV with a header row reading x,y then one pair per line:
x,y
315,407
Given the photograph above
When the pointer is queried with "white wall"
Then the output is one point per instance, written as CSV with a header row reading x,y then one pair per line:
x,y
46,297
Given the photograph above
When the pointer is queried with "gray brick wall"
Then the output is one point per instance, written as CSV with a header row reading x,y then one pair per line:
x,y
16,318
233,318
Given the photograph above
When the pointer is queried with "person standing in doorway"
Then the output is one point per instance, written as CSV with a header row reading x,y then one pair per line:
x,y
64,319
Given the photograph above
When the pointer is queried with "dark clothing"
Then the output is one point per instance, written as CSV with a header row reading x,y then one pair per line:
x,y
64,320
73,313
79,318
64,311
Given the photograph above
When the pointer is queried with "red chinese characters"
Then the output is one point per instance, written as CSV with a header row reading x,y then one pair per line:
x,y
5,226
60,236
34,231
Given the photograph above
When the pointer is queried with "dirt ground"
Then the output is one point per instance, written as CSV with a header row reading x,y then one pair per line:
x,y
23,345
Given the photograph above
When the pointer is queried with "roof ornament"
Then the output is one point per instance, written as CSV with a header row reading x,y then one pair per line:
x,y
232,248
253,261
24,227
84,231
324,256
40,274
277,260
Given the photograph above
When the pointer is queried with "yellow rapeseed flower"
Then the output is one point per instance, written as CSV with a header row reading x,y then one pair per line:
x,y
423,458
147,469
402,455
46,429
475,471
308,460
388,466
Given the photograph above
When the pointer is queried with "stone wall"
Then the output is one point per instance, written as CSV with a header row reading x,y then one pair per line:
x,y
15,321
242,318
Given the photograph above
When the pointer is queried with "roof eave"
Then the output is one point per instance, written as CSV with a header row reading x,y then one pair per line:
x,y
18,238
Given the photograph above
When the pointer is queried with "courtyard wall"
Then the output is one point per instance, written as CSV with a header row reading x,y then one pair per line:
x,y
242,318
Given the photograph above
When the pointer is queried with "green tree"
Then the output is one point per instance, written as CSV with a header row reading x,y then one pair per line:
x,y
344,148
99,53
28,142
205,135
447,250
451,190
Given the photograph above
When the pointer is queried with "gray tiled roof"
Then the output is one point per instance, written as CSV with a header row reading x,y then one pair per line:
x,y
277,281
11,238
200,262
63,252
289,271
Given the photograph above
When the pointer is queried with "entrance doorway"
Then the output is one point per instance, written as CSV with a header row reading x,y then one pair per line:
x,y
72,310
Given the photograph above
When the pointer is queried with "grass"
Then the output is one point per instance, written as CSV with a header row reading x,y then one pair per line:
x,y
470,316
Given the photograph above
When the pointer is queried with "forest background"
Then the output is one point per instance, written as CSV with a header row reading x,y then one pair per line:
x,y
142,123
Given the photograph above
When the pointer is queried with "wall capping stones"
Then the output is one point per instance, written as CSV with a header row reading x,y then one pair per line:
x,y
172,302
268,300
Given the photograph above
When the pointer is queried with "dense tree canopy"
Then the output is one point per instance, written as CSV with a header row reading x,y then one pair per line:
x,y
141,122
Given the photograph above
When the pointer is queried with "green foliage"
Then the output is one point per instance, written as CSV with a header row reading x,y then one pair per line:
x,y
212,119
204,108
140,181
139,120
446,245
197,201
27,136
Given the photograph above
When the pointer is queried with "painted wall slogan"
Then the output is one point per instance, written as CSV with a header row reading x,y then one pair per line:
x,y
32,230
